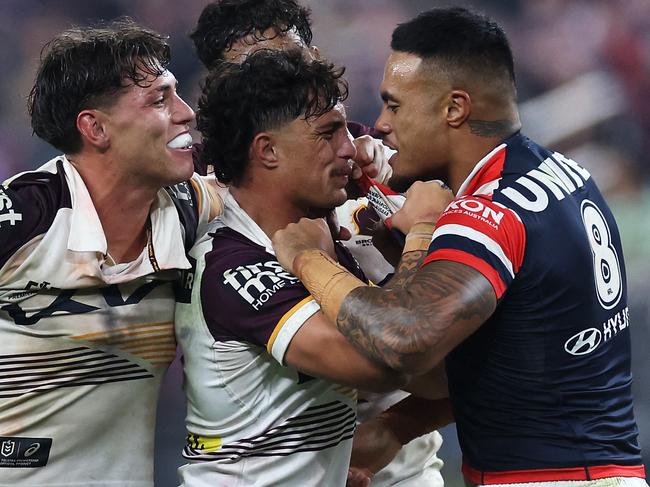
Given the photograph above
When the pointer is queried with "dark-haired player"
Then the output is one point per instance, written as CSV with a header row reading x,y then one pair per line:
x,y
90,245
230,30
269,380
522,289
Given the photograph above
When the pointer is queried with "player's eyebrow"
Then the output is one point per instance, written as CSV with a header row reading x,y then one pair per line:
x,y
332,126
167,86
386,96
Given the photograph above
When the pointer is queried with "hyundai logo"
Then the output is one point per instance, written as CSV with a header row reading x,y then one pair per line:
x,y
584,342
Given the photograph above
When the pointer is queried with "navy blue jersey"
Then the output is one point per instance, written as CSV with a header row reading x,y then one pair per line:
x,y
545,383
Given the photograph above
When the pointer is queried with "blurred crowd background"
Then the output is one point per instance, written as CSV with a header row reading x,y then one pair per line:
x,y
583,72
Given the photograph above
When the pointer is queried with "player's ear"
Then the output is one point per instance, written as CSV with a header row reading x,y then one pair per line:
x,y
459,108
91,124
263,150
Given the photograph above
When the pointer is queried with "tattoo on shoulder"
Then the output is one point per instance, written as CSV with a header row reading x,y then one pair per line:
x,y
439,306
491,128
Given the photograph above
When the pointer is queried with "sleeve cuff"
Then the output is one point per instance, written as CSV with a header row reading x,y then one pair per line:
x,y
289,325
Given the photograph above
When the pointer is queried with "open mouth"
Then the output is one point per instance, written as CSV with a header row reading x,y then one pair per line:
x,y
182,141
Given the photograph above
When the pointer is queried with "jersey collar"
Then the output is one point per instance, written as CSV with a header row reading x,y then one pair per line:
x,y
236,218
87,234
486,174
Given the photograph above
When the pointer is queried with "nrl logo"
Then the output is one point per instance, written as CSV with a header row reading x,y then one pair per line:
x,y
8,447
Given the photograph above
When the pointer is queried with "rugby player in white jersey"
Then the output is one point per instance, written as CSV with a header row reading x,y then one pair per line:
x,y
269,381
232,29
90,247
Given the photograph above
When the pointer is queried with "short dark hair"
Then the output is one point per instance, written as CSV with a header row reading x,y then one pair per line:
x,y
83,67
267,91
456,38
224,22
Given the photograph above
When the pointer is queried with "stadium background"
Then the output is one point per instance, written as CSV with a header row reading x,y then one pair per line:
x,y
583,69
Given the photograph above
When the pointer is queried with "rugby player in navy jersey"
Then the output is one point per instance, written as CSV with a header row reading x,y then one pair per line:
x,y
269,380
91,244
522,287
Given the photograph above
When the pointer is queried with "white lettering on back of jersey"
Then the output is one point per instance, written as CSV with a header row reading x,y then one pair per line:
x,y
556,176
7,214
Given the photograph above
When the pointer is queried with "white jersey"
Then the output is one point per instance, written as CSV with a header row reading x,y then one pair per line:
x,y
359,219
83,344
253,421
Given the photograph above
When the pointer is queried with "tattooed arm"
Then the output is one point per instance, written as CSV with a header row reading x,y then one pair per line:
x,y
418,317
406,269
413,327
412,322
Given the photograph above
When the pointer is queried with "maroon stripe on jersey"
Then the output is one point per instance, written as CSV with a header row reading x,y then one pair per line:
x,y
28,206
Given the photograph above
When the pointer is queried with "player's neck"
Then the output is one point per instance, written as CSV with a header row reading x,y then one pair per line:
x,y
471,148
123,207
269,208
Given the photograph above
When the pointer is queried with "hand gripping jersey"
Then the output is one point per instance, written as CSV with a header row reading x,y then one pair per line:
x,y
416,465
83,344
251,419
360,218
542,390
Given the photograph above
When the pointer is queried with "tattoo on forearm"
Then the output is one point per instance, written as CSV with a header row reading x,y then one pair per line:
x,y
491,128
406,269
438,307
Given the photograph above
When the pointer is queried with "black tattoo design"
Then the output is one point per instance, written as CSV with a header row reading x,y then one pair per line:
x,y
491,128
414,323
406,269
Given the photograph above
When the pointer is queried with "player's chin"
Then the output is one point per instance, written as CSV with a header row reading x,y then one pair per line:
x,y
183,165
336,198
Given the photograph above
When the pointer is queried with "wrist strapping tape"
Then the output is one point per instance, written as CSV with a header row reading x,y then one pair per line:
x,y
419,237
328,282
